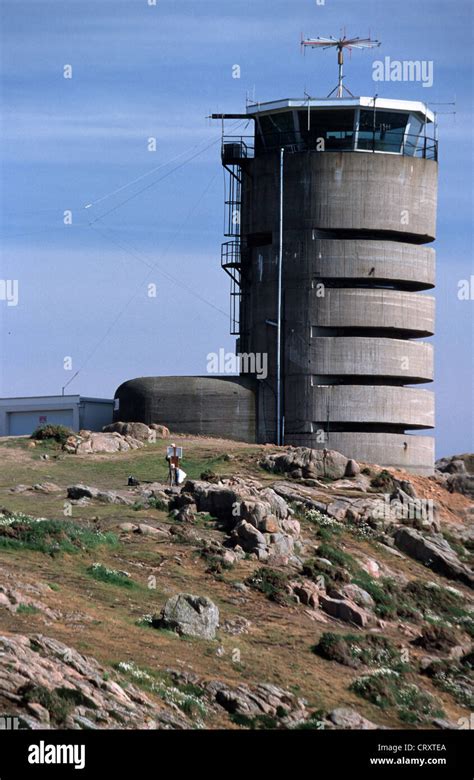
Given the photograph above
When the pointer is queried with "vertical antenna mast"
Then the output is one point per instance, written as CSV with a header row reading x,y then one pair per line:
x,y
340,44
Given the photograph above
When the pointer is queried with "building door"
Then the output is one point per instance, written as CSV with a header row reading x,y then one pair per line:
x,y
24,423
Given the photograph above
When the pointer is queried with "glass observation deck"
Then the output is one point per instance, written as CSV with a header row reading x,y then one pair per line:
x,y
338,125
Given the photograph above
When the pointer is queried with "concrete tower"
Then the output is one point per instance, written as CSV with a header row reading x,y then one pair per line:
x,y
339,196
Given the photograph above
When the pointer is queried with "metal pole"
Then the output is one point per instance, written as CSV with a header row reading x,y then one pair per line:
x,y
340,59
280,266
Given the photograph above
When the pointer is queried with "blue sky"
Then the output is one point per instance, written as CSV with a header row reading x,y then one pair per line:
x,y
141,71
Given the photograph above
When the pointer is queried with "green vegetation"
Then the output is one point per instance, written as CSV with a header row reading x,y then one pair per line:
x,y
215,563
258,722
360,650
383,481
150,503
27,609
187,697
59,433
273,583
58,701
454,678
51,537
337,557
385,689
321,572
111,576
326,527
390,601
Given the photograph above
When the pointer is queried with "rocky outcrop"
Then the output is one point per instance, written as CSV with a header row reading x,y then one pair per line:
x,y
189,615
138,430
435,552
46,684
346,718
87,443
457,473
345,610
79,492
263,699
302,462
259,520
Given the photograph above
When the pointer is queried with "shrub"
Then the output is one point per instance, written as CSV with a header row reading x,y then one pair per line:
x,y
383,481
273,583
58,433
58,701
359,650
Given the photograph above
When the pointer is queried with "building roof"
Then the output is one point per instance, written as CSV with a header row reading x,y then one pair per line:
x,y
389,104
55,398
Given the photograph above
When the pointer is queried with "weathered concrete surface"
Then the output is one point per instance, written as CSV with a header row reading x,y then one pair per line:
x,y
410,361
365,404
405,451
344,191
197,405
362,308
389,261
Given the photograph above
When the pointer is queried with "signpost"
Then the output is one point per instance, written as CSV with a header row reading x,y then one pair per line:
x,y
174,456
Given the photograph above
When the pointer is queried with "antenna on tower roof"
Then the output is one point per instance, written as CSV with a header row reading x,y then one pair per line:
x,y
340,44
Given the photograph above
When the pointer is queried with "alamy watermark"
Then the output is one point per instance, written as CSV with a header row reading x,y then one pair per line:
x,y
408,509
9,291
404,70
222,362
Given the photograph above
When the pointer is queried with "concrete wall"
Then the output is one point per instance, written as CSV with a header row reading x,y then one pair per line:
x,y
95,413
390,359
354,280
405,451
352,191
207,406
373,309
386,261
364,405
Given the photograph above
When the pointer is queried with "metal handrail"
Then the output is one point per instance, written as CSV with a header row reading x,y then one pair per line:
x,y
412,145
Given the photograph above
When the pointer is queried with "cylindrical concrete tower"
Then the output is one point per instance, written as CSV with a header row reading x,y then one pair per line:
x,y
357,199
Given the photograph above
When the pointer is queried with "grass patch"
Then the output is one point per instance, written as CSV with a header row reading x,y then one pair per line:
x,y
51,537
258,722
110,576
27,609
187,697
337,557
386,690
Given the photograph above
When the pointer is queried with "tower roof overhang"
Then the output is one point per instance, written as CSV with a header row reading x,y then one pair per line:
x,y
386,104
